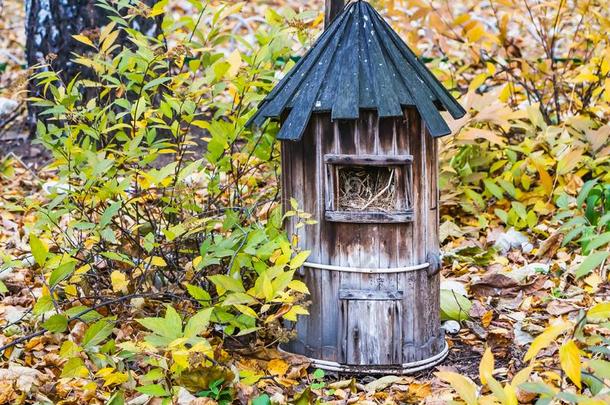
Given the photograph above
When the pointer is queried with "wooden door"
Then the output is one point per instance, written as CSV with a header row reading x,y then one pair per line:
x,y
370,326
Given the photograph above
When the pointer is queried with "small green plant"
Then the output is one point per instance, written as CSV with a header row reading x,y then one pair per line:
x,y
587,218
219,392
317,378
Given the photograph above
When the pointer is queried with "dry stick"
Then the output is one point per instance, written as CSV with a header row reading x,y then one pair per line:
x,y
386,188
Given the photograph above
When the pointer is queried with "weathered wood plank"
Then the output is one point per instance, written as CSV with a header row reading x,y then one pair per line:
x,y
368,160
370,295
365,344
356,217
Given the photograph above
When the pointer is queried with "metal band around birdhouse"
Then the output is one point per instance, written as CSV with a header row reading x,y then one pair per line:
x,y
346,269
398,369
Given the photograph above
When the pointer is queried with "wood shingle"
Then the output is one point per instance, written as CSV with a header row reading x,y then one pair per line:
x,y
358,63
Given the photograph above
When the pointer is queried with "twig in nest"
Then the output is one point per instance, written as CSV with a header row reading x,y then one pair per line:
x,y
362,188
381,192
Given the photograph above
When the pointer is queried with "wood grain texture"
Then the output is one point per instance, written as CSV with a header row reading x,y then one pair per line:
x,y
378,318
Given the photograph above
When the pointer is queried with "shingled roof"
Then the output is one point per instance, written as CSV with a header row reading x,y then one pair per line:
x,y
358,63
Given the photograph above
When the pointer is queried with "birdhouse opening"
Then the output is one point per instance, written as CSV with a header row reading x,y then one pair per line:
x,y
368,188
363,188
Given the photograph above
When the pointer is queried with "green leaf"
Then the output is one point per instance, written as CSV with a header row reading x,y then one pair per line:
x,y
156,82
109,213
598,241
74,368
262,400
538,388
299,259
519,209
79,310
97,333
69,349
584,191
600,367
119,257
198,323
118,398
43,304
493,189
454,306
591,263
3,289
153,390
56,323
198,293
39,250
169,327
61,273
503,215
238,298
225,283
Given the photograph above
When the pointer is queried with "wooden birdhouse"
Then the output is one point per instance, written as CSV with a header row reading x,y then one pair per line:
x,y
359,120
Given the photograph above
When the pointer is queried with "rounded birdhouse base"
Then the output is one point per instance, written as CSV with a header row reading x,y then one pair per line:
x,y
398,369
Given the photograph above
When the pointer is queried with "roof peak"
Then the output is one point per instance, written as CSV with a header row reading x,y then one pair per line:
x,y
359,62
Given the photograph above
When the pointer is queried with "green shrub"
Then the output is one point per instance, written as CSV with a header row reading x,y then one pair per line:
x,y
138,217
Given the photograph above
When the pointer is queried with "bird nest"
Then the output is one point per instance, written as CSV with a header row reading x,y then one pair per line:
x,y
368,188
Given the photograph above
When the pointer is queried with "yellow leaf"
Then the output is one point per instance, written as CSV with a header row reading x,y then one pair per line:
x,y
85,40
119,281
477,82
181,358
521,377
464,386
511,395
294,311
235,62
599,312
498,391
267,288
115,379
277,367
246,310
569,356
299,286
158,261
299,259
491,68
545,178
107,30
319,20
569,161
109,41
486,368
475,33
158,8
545,338
470,134
70,290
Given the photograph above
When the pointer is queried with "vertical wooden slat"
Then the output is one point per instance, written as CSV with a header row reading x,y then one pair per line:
x,y
309,186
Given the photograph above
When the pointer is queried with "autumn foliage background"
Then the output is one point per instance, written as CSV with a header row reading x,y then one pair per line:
x,y
145,261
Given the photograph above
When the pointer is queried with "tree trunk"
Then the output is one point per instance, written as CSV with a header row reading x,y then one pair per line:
x,y
50,25
332,9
